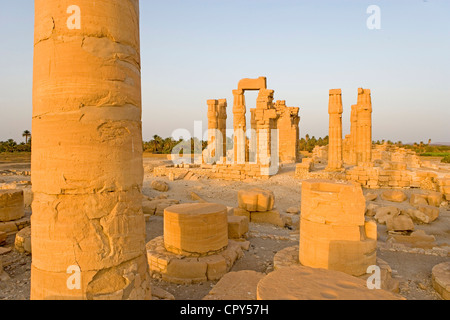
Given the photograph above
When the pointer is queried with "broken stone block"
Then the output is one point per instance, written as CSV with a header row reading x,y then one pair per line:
x,y
160,294
256,200
371,196
333,232
441,279
399,223
3,275
394,196
417,239
292,210
156,207
160,186
417,216
418,199
430,211
271,217
3,236
195,228
239,285
371,210
241,212
435,199
305,283
11,205
383,213
22,243
237,227
196,197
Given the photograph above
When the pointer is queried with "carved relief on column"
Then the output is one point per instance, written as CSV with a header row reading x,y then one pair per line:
x,y
222,125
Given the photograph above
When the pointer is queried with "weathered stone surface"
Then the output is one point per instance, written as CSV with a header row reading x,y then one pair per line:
x,y
292,210
399,222
187,270
371,196
11,205
22,243
333,232
371,210
435,199
3,236
417,216
160,186
430,211
87,152
441,279
335,110
256,200
383,213
394,196
237,227
417,239
239,285
418,199
3,275
271,217
305,283
196,228
161,294
157,207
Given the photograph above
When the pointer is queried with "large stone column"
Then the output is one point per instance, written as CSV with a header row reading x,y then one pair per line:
x,y
364,126
213,126
335,110
265,117
88,229
353,135
222,124
240,127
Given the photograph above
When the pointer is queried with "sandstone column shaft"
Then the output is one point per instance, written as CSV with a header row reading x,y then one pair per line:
x,y
364,126
87,220
240,127
335,110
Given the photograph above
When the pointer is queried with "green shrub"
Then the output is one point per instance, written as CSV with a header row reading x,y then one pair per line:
x,y
446,159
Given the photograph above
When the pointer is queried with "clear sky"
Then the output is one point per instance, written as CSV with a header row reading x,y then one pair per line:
x,y
194,50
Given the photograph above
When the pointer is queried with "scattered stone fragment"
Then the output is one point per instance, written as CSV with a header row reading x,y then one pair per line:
x,y
399,223
22,243
441,279
417,216
11,205
160,294
371,196
371,210
293,210
3,236
430,211
160,186
3,275
157,207
417,239
394,196
435,199
418,199
256,200
237,227
196,197
239,285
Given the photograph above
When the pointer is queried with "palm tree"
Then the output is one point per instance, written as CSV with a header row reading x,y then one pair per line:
x,y
26,134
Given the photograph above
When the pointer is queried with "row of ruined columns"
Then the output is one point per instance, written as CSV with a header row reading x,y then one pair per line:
x,y
357,147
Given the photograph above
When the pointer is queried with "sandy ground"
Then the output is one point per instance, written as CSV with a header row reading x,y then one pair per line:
x,y
412,269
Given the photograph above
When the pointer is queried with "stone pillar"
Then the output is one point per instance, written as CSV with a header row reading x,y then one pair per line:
x,y
240,127
353,135
265,117
335,110
213,126
222,124
364,126
333,232
88,229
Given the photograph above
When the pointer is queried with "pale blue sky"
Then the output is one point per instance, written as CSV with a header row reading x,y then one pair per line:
x,y
194,50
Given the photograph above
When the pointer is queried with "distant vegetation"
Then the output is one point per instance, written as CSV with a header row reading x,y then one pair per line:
x,y
308,144
160,145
